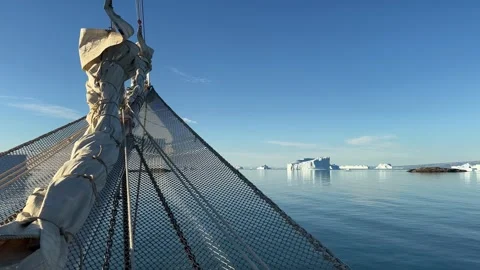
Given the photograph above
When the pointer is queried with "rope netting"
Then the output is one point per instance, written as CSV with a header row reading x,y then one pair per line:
x,y
33,164
190,208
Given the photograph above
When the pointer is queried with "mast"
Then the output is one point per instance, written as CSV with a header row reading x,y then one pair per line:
x,y
39,236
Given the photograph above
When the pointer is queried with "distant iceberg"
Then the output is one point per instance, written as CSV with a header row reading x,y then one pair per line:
x,y
334,167
476,167
239,167
264,167
384,166
466,167
322,163
353,167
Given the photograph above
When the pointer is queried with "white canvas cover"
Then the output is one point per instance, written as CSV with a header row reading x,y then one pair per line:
x,y
39,236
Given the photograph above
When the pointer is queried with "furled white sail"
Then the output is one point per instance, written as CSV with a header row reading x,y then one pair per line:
x,y
38,239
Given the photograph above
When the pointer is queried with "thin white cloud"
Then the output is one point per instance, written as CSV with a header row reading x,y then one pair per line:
x,y
48,110
16,97
37,106
189,78
189,121
293,144
370,140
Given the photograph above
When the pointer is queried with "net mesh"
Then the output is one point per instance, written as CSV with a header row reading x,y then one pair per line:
x,y
190,208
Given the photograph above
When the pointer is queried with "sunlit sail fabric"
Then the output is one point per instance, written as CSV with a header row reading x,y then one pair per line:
x,y
53,214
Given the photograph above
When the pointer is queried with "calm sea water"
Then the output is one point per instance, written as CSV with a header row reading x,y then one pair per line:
x,y
384,219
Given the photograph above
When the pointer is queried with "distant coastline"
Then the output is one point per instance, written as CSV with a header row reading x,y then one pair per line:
x,y
441,165
435,170
394,167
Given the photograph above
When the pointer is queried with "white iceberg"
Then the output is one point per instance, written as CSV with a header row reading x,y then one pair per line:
x,y
334,167
466,167
384,166
353,167
322,163
264,167
476,167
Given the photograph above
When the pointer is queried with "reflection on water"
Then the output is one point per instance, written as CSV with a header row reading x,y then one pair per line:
x,y
467,176
470,178
308,176
365,216
382,175
359,174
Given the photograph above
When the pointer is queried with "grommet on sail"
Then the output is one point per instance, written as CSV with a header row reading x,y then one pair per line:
x,y
140,189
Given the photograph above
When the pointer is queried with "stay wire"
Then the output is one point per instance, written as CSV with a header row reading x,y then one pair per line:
x,y
127,194
193,192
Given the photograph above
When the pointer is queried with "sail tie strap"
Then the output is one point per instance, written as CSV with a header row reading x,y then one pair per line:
x,y
88,177
97,158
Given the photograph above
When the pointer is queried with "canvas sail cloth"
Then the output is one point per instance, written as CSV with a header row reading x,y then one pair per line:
x,y
38,238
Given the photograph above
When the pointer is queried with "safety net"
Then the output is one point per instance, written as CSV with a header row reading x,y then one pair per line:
x,y
189,207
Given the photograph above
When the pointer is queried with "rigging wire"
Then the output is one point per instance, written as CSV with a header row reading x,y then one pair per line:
x,y
127,187
192,190
132,222
143,20
140,169
140,16
169,211
141,25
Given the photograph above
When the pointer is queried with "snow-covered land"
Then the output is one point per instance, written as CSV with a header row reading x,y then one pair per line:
x,y
353,167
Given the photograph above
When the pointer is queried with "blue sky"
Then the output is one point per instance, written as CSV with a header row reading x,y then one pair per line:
x,y
270,81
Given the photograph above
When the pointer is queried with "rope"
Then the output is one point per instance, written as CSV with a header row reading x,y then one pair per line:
x,y
170,214
143,19
139,172
11,218
141,30
17,172
41,137
176,171
111,230
138,9
140,16
327,254
141,27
